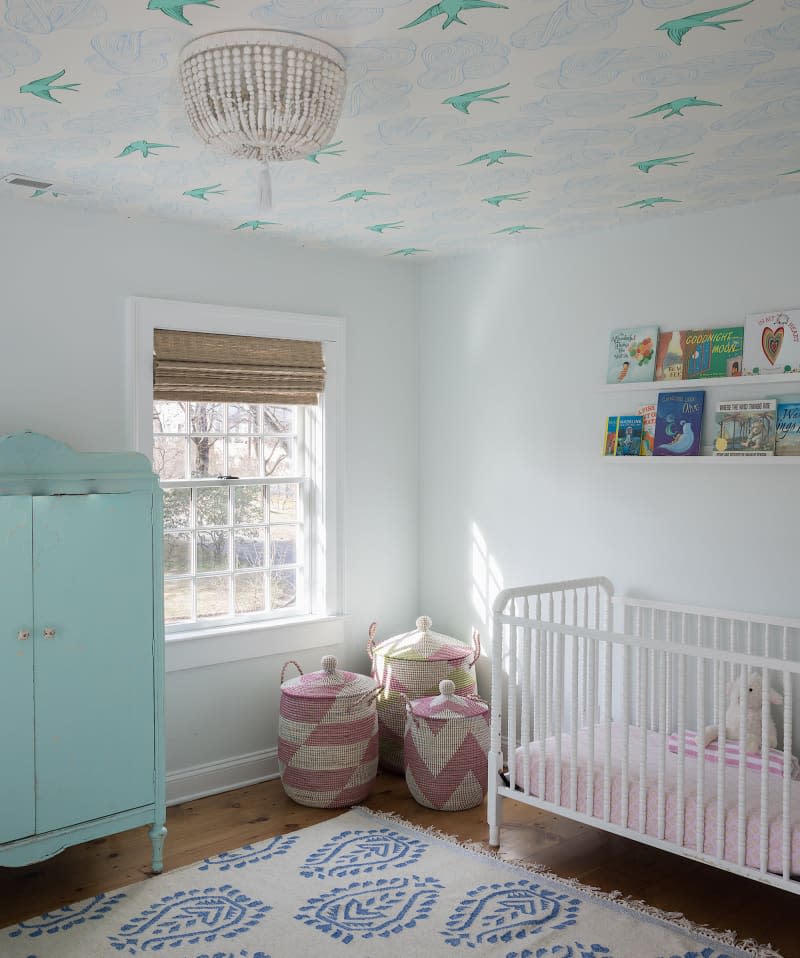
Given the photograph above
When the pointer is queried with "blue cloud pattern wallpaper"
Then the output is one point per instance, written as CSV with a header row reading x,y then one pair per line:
x,y
467,124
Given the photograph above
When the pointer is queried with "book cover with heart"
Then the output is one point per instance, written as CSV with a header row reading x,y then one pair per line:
x,y
771,343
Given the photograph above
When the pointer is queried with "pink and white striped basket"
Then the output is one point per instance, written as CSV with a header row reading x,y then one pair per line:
x,y
327,736
446,748
409,666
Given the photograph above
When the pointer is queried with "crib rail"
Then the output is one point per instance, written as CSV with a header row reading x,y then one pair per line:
x,y
599,712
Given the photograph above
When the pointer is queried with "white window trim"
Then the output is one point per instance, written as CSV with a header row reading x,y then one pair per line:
x,y
327,598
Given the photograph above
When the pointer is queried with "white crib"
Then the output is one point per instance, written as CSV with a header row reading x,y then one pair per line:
x,y
595,700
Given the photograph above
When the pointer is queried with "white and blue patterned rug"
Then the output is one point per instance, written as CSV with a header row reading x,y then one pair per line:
x,y
358,886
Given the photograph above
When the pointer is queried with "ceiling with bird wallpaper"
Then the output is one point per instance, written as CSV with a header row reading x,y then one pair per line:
x,y
467,124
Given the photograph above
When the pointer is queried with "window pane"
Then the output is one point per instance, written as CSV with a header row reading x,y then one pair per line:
x,y
279,419
177,553
283,588
249,591
207,457
243,457
169,457
242,418
248,504
283,502
177,508
283,545
213,596
212,506
169,416
212,551
249,547
278,458
206,416
177,600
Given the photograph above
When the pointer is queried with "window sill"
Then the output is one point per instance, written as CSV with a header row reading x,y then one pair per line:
x,y
235,643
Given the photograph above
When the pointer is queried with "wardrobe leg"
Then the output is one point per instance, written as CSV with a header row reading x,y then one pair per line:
x,y
157,835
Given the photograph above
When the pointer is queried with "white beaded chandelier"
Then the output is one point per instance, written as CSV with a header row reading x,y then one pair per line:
x,y
263,94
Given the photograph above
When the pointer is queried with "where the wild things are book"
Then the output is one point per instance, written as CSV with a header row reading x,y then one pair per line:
x,y
772,343
745,427
787,429
631,354
679,419
629,436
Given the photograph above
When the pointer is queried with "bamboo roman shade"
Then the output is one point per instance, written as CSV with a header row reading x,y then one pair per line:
x,y
213,367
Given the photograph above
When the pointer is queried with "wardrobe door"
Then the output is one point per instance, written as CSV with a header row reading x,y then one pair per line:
x,y
93,600
16,670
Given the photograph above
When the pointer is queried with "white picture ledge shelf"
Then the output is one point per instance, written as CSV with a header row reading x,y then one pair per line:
x,y
660,385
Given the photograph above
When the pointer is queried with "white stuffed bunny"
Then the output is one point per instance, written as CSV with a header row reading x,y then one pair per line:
x,y
752,721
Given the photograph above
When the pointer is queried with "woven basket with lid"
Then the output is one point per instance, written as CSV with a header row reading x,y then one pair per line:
x,y
412,665
327,736
446,749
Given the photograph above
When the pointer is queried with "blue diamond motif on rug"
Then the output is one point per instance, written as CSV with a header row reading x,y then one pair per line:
x,y
244,953
361,852
249,854
502,912
189,917
53,922
371,909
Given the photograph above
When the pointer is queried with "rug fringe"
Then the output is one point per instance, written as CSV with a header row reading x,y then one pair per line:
x,y
729,937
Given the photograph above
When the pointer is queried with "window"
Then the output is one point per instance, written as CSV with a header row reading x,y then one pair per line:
x,y
237,490
250,490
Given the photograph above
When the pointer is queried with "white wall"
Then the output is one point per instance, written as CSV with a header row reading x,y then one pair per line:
x,y
513,344
64,276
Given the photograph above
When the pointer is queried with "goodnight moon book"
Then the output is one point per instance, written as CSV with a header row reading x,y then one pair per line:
x,y
679,419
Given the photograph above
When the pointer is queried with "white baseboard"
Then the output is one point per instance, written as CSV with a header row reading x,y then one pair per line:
x,y
185,784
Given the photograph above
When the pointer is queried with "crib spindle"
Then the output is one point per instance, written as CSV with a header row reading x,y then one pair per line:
x,y
525,733
723,706
740,805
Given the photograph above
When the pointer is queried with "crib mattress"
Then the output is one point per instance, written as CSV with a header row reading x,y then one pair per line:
x,y
710,806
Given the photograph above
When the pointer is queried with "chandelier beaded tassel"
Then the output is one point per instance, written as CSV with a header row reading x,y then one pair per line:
x,y
266,95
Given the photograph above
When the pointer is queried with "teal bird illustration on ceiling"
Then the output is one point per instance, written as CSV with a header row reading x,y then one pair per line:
x,y
145,147
380,227
408,251
450,9
513,230
44,86
493,157
676,30
174,8
463,101
328,150
505,197
199,192
37,193
674,107
789,173
254,225
358,195
646,165
649,203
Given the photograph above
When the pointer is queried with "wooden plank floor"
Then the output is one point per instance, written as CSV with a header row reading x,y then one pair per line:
x,y
222,822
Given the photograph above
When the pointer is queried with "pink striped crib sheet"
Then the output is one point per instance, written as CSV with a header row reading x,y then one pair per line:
x,y
753,759
653,749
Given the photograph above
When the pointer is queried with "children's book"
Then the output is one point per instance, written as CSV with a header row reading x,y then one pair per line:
x,y
629,436
679,418
745,427
648,414
631,354
610,442
670,355
714,352
787,429
772,343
